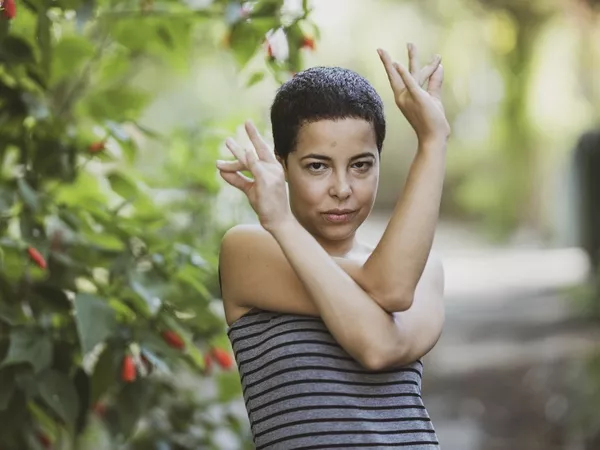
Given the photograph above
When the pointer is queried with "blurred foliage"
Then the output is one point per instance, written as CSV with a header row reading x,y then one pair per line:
x,y
502,179
107,277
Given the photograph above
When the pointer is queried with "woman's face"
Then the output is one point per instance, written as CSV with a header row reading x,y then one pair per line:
x,y
333,175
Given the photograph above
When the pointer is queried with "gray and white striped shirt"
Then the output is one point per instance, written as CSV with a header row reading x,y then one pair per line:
x,y
303,391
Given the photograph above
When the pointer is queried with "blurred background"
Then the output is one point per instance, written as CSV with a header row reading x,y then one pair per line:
x,y
112,114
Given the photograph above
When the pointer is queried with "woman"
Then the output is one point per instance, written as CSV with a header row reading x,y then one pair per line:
x,y
327,332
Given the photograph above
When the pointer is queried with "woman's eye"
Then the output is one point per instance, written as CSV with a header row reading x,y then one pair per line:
x,y
363,166
316,166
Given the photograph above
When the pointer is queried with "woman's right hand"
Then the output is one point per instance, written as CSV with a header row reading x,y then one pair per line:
x,y
267,191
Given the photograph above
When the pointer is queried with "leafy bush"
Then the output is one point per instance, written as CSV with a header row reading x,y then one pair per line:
x,y
105,292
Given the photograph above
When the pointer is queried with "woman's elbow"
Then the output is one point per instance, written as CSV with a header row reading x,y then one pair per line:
x,y
382,358
397,302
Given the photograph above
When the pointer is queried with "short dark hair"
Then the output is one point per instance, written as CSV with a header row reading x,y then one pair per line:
x,y
323,93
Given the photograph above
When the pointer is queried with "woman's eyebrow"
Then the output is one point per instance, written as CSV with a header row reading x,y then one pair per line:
x,y
316,156
362,155
327,158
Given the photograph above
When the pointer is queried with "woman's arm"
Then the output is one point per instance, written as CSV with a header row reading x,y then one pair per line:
x,y
255,272
394,268
254,277
392,271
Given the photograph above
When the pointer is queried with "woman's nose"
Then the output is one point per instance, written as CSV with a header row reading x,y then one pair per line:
x,y
341,188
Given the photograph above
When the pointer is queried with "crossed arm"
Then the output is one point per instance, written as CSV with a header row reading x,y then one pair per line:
x,y
386,312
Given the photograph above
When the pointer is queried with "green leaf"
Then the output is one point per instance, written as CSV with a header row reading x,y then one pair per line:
x,y
123,185
132,401
256,77
43,39
81,383
95,320
50,295
11,316
29,196
29,345
105,372
247,37
229,386
17,50
7,386
149,293
70,55
118,103
58,391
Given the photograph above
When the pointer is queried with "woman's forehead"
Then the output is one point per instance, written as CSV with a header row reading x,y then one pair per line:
x,y
336,137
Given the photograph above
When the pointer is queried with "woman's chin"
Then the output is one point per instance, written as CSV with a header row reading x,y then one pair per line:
x,y
336,232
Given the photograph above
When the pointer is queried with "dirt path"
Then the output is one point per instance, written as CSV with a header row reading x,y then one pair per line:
x,y
501,376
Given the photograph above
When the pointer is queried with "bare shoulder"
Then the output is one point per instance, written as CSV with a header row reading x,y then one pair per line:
x,y
256,274
245,235
247,243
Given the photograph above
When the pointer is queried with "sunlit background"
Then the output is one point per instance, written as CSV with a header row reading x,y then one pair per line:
x,y
518,365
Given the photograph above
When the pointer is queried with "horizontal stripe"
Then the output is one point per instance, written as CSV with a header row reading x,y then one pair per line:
x,y
289,344
340,407
283,333
328,394
317,381
294,356
235,340
344,420
341,433
353,444
321,369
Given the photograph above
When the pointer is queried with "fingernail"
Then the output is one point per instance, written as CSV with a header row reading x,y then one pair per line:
x,y
409,46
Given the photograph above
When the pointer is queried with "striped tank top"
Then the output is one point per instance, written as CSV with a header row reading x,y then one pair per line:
x,y
303,391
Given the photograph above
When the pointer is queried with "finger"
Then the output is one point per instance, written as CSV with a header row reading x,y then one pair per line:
x,y
434,87
414,66
262,148
237,180
252,162
230,166
236,150
394,77
429,69
411,84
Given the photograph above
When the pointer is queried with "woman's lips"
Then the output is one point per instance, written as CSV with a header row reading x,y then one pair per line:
x,y
339,218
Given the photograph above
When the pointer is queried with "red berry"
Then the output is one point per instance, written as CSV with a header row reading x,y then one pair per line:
x,y
9,9
173,339
37,257
223,358
44,440
128,371
96,147
308,42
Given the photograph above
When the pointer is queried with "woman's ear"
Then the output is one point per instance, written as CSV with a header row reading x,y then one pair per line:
x,y
284,165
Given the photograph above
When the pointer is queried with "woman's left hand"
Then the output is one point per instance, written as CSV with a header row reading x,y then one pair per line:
x,y
422,108
267,192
